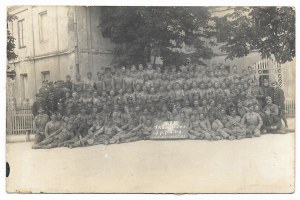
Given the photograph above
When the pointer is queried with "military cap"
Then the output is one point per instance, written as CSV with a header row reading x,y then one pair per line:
x,y
39,95
45,81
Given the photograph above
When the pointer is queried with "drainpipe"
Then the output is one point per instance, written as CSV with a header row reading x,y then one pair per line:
x,y
76,42
57,43
33,48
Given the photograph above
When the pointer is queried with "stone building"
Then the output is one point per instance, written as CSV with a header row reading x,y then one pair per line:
x,y
52,42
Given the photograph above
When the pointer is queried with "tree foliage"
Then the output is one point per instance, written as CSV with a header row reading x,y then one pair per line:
x,y
10,40
270,30
140,32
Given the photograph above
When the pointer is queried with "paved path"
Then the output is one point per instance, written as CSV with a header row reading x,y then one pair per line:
x,y
262,164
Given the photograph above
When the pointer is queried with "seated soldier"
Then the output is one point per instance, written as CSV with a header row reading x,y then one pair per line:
x,y
234,126
39,124
187,110
218,128
164,114
56,140
141,132
252,121
80,139
272,107
271,123
195,128
103,135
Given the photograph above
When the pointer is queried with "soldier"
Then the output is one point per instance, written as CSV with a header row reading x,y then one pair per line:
x,y
141,132
39,103
237,129
51,103
108,81
267,90
119,79
39,123
272,107
195,130
78,84
45,89
68,83
56,140
218,128
271,123
80,138
104,134
88,82
99,85
178,93
252,121
279,101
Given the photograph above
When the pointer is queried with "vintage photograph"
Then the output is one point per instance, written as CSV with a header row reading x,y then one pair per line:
x,y
169,99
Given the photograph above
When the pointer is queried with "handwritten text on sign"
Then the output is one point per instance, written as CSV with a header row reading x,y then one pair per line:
x,y
170,130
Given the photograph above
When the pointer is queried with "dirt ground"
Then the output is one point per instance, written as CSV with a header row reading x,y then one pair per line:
x,y
264,164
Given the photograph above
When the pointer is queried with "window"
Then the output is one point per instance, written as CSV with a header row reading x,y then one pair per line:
x,y
21,33
222,30
46,75
24,85
43,26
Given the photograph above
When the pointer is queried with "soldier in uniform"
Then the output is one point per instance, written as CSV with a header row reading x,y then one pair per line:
x,y
237,129
271,123
39,123
80,139
267,90
56,140
78,85
108,81
218,128
51,103
45,89
68,83
88,82
252,121
99,83
272,107
279,101
39,103
119,79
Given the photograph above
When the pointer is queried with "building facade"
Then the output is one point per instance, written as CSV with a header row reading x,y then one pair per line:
x,y
52,42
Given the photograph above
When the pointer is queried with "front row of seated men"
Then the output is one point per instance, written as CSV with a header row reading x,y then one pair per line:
x,y
133,125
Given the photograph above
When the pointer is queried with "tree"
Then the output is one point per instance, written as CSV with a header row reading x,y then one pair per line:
x,y
10,40
140,32
270,30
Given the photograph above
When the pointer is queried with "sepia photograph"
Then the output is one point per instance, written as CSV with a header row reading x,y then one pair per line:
x,y
150,99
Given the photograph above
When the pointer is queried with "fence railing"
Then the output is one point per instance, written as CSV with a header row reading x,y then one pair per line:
x,y
290,107
19,121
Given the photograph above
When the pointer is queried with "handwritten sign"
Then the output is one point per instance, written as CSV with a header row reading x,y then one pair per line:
x,y
170,130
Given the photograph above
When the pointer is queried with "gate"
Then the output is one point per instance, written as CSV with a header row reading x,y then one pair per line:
x,y
272,70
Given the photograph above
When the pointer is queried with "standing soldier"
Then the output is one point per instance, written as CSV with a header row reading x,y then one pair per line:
x,y
279,101
39,103
267,90
99,83
108,81
45,89
68,83
39,124
78,85
119,79
88,82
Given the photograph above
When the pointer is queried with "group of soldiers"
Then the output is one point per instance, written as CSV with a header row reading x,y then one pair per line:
x,y
217,102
